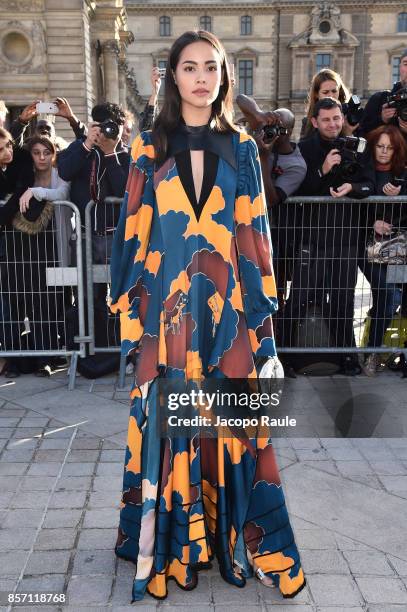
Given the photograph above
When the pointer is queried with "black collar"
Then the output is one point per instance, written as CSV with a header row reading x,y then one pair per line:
x,y
202,138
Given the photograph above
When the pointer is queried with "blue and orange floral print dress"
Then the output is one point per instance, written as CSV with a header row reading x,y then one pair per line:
x,y
196,295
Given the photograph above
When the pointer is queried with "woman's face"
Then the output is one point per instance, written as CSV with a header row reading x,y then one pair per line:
x,y
42,157
198,74
384,150
6,151
328,89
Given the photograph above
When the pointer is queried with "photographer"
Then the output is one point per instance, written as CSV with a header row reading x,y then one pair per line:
x,y
97,166
381,107
283,170
327,266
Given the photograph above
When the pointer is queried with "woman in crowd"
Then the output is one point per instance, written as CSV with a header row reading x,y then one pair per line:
x,y
192,276
389,152
325,84
32,312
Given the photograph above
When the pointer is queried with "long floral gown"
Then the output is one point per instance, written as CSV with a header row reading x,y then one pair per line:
x,y
196,297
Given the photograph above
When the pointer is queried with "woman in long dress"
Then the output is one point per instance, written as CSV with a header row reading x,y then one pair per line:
x,y
192,278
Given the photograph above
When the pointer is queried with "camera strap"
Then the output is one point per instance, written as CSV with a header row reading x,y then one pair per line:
x,y
276,171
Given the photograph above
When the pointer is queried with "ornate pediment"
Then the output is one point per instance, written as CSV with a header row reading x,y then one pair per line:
x,y
245,52
324,29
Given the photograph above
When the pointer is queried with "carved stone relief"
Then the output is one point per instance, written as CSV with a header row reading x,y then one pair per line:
x,y
21,5
23,47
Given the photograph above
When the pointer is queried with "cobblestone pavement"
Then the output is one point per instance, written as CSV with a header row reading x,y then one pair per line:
x,y
61,461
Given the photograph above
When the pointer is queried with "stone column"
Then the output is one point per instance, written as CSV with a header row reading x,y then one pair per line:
x,y
111,71
122,86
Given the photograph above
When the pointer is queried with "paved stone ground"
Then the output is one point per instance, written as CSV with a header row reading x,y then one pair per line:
x,y
61,461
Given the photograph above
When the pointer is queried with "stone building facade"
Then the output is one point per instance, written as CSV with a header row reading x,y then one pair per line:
x,y
91,50
69,48
276,47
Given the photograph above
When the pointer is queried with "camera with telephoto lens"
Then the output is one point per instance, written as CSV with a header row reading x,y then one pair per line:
x,y
399,102
353,110
350,148
271,131
109,129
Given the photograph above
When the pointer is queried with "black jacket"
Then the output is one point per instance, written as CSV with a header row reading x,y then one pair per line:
x,y
75,164
334,222
372,116
19,172
389,211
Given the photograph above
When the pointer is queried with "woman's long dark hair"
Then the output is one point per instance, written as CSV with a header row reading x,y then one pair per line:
x,y
170,114
399,159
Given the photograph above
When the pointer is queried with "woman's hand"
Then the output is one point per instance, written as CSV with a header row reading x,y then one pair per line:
x,y
341,191
382,227
25,201
391,190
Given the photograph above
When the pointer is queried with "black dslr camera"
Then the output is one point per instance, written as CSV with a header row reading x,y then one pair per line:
x,y
399,102
271,131
353,110
350,148
109,129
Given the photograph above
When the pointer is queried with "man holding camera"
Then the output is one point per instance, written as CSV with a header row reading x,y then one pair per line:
x,y
283,170
388,106
97,166
325,273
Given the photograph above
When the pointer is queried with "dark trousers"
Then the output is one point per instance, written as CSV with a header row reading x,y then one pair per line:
x,y
386,299
326,278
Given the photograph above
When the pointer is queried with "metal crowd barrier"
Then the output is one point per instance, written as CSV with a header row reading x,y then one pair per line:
x,y
98,252
326,286
36,278
324,283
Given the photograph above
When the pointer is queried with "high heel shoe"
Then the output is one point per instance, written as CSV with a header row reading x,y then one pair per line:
x,y
264,579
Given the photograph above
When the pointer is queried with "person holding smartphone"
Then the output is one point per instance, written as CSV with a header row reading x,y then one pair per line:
x,y
150,111
60,107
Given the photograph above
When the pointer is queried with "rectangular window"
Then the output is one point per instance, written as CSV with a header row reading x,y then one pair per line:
x,y
246,77
205,23
402,22
245,25
395,69
323,60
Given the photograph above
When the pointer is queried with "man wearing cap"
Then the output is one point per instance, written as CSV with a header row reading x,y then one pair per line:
x,y
377,111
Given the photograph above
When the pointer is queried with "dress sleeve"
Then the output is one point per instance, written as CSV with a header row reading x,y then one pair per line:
x,y
255,251
132,237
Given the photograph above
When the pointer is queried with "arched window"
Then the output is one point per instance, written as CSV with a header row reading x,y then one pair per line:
x,y
402,22
245,25
205,23
165,25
